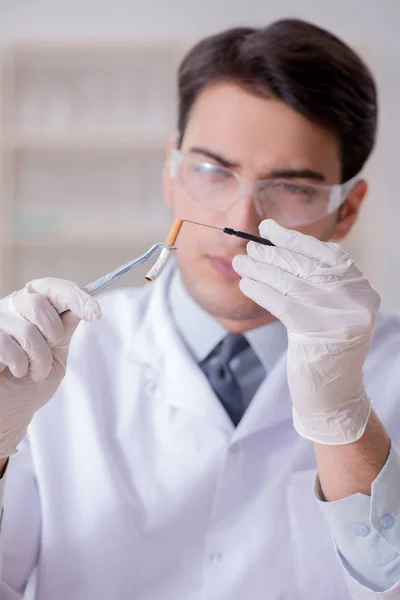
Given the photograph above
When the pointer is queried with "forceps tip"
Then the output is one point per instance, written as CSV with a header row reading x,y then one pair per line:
x,y
162,245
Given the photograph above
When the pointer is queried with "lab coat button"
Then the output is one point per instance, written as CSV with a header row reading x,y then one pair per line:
x,y
235,448
215,558
386,522
361,530
150,388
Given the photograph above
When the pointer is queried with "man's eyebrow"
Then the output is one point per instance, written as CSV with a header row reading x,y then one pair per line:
x,y
297,174
214,156
274,174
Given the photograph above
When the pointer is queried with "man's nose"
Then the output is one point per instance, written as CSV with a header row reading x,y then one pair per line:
x,y
242,214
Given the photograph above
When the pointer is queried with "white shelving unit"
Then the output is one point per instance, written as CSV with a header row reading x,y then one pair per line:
x,y
83,133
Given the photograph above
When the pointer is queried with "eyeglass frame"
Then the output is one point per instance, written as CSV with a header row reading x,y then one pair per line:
x,y
338,191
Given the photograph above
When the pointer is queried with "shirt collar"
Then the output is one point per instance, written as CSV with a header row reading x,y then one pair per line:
x,y
202,333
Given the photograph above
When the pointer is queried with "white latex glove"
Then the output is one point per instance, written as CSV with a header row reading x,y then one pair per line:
x,y
329,310
34,343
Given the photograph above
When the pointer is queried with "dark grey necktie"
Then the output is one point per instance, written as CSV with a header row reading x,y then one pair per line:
x,y
221,378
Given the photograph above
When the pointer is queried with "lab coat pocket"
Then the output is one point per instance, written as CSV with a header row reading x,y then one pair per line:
x,y
316,568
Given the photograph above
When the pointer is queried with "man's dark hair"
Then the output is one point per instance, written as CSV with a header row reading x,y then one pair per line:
x,y
306,67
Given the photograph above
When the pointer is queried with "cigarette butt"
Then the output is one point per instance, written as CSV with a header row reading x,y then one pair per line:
x,y
159,266
174,232
161,262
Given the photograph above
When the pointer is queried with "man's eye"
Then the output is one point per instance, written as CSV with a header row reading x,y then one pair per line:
x,y
297,189
210,171
297,192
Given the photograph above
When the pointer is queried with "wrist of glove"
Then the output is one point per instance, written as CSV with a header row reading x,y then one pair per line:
x,y
329,310
330,405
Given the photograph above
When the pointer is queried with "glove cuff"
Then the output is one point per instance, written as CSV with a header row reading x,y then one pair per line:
x,y
344,425
10,440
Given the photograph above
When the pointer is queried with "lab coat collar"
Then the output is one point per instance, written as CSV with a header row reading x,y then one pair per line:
x,y
271,405
170,367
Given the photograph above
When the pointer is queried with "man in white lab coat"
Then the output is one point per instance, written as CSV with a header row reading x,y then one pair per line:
x,y
177,459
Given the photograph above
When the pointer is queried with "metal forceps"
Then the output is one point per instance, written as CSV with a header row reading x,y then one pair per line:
x,y
100,284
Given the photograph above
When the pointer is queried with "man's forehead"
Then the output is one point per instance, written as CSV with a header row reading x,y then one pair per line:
x,y
259,134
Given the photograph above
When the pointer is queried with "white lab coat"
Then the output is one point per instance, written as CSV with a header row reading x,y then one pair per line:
x,y
134,484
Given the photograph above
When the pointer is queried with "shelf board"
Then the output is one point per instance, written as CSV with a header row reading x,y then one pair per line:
x,y
110,240
86,144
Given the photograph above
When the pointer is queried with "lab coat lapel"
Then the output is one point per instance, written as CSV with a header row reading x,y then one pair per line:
x,y
271,404
168,364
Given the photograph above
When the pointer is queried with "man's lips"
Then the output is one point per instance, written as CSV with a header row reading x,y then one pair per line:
x,y
223,266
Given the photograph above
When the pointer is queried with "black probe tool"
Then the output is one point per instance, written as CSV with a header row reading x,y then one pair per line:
x,y
240,234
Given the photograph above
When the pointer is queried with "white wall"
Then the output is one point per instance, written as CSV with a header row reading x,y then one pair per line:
x,y
371,25
369,20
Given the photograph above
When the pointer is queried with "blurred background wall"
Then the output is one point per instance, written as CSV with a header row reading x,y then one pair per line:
x,y
87,105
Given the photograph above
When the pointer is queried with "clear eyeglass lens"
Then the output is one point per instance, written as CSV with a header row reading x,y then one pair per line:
x,y
288,202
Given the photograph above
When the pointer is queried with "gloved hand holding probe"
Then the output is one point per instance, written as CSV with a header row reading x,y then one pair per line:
x,y
329,310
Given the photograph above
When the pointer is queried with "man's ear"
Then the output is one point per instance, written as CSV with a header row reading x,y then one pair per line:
x,y
167,178
349,211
